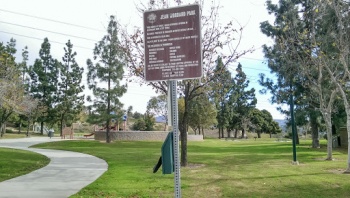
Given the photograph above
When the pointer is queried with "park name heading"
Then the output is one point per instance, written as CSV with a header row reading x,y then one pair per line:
x,y
178,14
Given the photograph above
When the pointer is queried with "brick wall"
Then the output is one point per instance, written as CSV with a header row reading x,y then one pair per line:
x,y
140,136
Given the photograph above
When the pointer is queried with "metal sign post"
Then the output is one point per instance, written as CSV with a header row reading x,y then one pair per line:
x,y
173,51
174,119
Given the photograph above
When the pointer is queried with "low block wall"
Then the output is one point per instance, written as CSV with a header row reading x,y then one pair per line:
x,y
140,136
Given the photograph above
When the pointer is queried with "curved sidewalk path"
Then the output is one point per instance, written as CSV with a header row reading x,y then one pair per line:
x,y
66,174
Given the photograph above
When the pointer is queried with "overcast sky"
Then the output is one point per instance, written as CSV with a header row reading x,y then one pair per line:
x,y
84,21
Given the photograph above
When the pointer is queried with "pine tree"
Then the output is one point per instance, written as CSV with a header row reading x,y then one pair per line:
x,y
242,100
109,68
222,87
23,68
70,98
44,79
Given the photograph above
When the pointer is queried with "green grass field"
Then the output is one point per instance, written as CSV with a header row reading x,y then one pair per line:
x,y
14,163
218,168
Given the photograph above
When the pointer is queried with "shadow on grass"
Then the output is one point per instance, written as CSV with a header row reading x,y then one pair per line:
x,y
231,179
231,153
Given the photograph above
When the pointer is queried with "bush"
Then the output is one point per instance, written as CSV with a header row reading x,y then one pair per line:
x,y
9,131
139,125
144,124
289,135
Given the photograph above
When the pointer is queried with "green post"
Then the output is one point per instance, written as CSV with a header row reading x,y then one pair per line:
x,y
168,155
294,134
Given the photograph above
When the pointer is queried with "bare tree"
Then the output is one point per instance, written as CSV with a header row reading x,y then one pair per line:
x,y
336,17
217,39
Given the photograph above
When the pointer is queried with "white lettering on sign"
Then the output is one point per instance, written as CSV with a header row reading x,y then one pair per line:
x,y
177,14
172,44
164,16
191,12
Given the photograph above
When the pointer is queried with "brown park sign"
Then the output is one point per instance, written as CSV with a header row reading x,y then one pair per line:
x,y
173,48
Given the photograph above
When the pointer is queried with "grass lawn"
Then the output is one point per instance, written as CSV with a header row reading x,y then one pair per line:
x,y
218,168
15,162
15,135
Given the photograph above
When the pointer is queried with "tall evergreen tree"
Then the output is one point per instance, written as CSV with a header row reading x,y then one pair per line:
x,y
44,80
286,57
23,68
242,100
109,68
70,98
222,86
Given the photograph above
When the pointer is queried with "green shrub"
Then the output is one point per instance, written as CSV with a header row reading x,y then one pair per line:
x,y
139,125
9,131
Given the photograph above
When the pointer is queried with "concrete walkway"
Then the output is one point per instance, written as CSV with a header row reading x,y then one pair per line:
x,y
66,174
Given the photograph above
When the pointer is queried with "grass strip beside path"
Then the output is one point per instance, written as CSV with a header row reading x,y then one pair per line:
x,y
217,168
14,163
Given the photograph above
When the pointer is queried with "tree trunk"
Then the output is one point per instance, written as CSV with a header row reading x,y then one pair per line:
x,y
108,138
20,126
42,128
183,136
203,132
221,132
183,126
259,134
61,126
314,132
328,120
347,109
236,132
296,137
2,129
27,134
108,129
243,133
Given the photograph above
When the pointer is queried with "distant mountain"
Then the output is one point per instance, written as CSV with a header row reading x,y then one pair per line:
x,y
160,119
281,123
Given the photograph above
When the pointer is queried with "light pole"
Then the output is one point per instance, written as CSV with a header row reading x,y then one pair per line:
x,y
294,134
